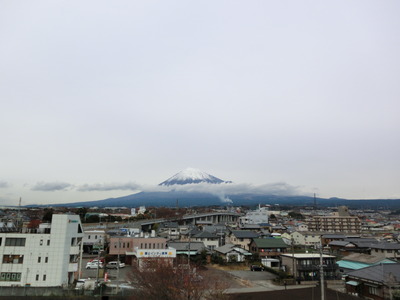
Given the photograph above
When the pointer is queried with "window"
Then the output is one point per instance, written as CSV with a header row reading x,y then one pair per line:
x,y
41,242
19,242
373,290
46,259
1,240
7,276
13,259
37,277
73,242
44,277
89,237
48,242
39,259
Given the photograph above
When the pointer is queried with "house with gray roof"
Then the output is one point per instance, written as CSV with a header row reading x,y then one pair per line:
x,y
356,261
242,238
388,250
232,253
378,282
210,240
186,248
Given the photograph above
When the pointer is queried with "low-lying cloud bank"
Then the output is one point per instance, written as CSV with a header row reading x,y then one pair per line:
x,y
223,190
51,186
4,184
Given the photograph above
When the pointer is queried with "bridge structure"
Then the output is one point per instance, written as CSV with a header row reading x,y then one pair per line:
x,y
210,218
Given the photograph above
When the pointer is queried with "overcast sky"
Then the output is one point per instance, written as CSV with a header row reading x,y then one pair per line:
x,y
101,98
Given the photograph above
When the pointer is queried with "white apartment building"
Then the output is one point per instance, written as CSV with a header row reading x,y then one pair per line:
x,y
47,256
306,238
94,240
258,216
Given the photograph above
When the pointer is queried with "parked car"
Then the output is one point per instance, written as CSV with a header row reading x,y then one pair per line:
x,y
256,268
115,265
94,265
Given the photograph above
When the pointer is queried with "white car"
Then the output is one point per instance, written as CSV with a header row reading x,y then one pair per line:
x,y
115,265
94,265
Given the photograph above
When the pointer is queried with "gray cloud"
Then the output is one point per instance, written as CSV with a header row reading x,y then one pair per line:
x,y
131,186
51,186
4,184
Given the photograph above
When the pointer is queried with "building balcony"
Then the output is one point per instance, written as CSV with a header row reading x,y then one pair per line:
x,y
270,254
73,267
74,250
313,268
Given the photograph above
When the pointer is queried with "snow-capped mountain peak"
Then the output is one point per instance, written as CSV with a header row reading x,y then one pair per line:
x,y
190,176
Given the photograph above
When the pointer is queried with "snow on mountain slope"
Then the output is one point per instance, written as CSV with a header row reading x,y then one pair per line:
x,y
191,175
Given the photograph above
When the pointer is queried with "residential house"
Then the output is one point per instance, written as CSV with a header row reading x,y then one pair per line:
x,y
306,238
306,266
210,240
268,247
232,253
356,261
388,250
377,282
327,238
186,248
242,238
169,230
351,245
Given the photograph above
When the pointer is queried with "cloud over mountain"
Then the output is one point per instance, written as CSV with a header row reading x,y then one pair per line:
x,y
278,188
51,186
4,184
129,186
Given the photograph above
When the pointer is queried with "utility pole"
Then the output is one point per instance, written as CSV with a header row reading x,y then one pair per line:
x,y
80,260
119,248
189,254
293,262
321,273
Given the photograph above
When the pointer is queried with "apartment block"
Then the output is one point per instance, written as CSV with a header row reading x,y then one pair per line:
x,y
46,256
335,224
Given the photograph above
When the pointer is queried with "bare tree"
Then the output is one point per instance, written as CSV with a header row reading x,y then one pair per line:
x,y
160,279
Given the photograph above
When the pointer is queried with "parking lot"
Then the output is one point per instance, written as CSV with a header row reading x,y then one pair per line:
x,y
113,274
232,279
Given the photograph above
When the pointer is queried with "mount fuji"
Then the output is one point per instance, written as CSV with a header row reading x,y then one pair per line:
x,y
192,176
193,187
